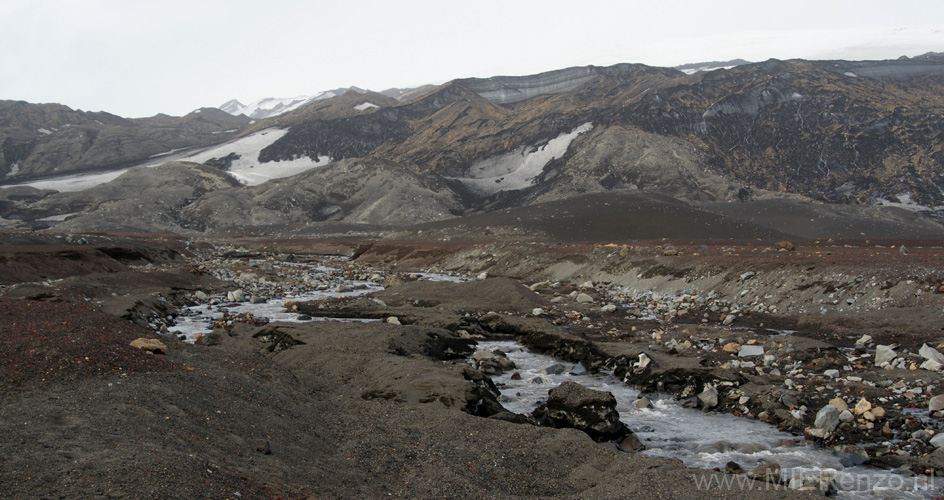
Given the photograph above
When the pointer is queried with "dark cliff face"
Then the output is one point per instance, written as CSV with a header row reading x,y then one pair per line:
x,y
38,140
792,126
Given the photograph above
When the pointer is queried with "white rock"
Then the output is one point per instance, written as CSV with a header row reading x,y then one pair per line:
x,y
931,354
932,365
938,440
608,308
864,340
827,418
537,311
751,350
709,397
936,403
884,354
483,275
584,298
393,320
586,285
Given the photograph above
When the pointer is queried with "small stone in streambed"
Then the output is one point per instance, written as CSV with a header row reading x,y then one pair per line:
x,y
709,398
642,403
630,444
733,467
516,376
769,473
555,369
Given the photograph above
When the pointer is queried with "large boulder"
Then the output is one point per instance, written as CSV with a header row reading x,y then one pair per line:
x,y
149,345
594,412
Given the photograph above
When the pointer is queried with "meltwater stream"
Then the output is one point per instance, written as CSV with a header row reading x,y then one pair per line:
x,y
199,319
704,440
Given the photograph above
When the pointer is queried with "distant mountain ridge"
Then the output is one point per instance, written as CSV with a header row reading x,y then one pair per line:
x,y
270,107
843,132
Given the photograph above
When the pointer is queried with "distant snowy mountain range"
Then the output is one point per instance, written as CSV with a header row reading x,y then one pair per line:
x,y
274,106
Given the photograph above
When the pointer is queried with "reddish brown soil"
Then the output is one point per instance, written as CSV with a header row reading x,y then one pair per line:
x,y
46,342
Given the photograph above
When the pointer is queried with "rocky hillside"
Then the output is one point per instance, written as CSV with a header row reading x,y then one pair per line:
x,y
813,128
45,140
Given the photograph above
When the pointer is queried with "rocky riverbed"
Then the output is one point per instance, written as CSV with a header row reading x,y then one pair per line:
x,y
302,408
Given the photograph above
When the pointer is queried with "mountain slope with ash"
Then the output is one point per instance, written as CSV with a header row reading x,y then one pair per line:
x,y
371,192
140,200
43,140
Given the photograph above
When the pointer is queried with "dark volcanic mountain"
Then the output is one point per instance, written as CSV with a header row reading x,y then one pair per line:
x,y
856,133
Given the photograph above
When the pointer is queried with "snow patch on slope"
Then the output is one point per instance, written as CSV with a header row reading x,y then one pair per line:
x,y
247,168
70,183
517,169
691,71
905,202
365,106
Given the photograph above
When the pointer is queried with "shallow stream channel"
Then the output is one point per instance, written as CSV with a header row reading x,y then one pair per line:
x,y
705,440
699,439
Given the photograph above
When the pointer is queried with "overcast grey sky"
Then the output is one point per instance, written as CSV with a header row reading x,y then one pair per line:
x,y
141,57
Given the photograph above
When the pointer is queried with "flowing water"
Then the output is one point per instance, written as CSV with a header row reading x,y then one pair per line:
x,y
704,440
199,319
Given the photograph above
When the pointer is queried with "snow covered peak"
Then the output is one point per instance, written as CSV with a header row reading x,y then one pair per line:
x,y
275,106
265,108
232,107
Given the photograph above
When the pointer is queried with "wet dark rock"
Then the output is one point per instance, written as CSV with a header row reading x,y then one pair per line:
x,y
492,362
594,412
851,455
555,369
